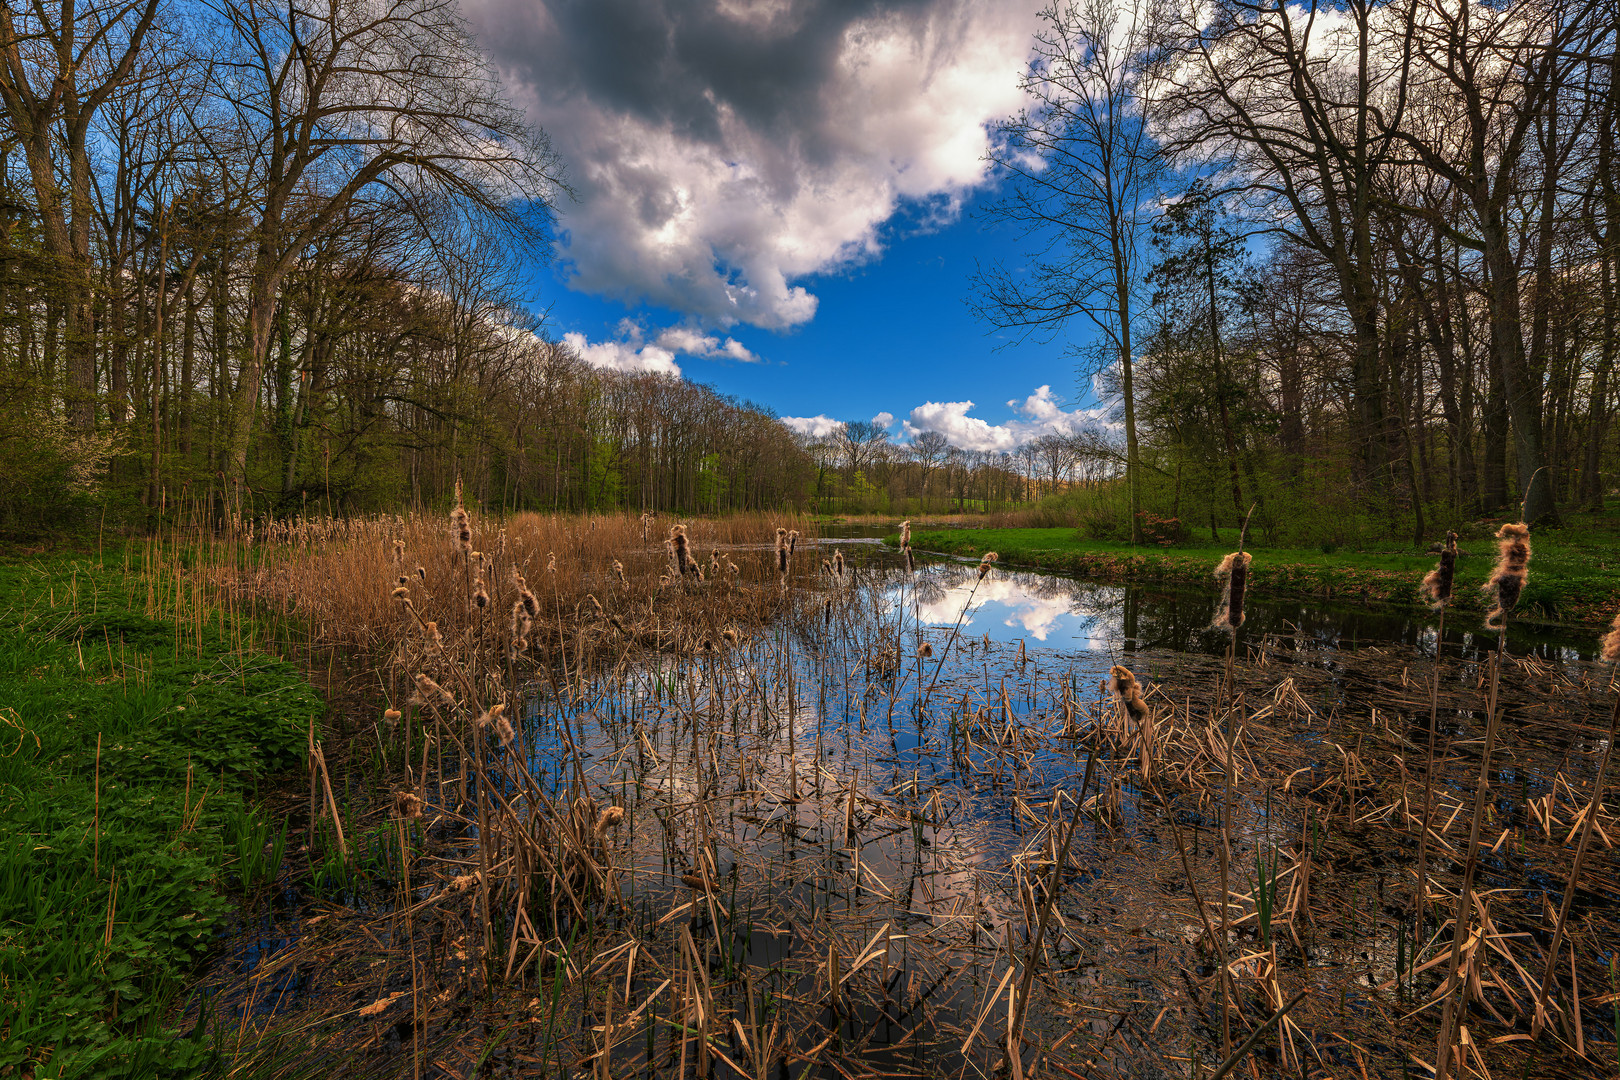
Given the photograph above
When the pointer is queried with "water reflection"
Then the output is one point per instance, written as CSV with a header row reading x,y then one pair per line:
x,y
1075,615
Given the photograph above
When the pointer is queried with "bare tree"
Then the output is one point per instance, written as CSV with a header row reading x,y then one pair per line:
x,y
348,100
1083,166
59,65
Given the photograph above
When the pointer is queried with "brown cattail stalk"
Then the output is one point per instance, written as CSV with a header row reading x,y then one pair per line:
x,y
781,550
682,550
1512,568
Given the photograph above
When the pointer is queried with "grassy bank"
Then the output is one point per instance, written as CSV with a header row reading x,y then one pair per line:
x,y
1574,576
133,720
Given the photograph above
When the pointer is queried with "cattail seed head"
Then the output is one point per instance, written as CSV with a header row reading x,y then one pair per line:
x,y
988,561
682,550
490,715
730,636
1512,568
1610,648
421,573
596,605
925,651
826,567
610,819
402,593
407,805
1233,573
435,640
429,692
618,572
551,562
1437,582
905,535
391,717
793,541
1122,682
480,597
706,647
838,563
504,731
399,551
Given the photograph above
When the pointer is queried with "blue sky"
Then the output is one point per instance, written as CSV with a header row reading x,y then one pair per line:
x,y
888,335
775,197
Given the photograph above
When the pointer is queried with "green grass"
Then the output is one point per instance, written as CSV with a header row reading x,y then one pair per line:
x,y
114,878
1574,574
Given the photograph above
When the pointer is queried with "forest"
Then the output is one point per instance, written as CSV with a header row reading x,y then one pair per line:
x,y
1354,266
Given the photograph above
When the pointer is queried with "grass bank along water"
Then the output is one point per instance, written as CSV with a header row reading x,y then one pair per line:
x,y
800,820
134,717
1576,579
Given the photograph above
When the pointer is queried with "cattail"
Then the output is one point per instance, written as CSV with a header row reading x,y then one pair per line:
x,y
526,598
403,581
730,636
618,572
989,560
838,563
596,605
460,526
504,731
1233,571
490,715
732,569
793,541
429,692
380,1006
781,550
1124,686
826,567
407,805
521,621
682,549
480,597
399,551
402,593
1512,567
1437,582
610,819
391,716
905,535
421,573
826,612
706,647
925,651
551,562
435,640
1611,642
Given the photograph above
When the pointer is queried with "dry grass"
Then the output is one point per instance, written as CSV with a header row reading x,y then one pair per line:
x,y
807,846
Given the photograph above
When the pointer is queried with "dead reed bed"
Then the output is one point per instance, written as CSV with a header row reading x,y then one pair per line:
x,y
760,822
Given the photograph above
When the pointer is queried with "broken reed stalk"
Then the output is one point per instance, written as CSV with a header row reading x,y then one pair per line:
x,y
985,565
1254,1036
1020,1001
1575,867
1456,993
1437,587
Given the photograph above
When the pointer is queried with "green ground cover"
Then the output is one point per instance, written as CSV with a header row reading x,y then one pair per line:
x,y
117,865
1574,575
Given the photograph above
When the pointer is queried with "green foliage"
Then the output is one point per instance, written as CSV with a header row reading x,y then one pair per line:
x,y
112,867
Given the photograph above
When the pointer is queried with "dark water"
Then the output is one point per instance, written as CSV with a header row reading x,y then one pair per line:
x,y
1071,614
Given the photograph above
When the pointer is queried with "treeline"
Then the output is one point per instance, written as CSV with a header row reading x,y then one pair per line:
x,y
268,258
1358,264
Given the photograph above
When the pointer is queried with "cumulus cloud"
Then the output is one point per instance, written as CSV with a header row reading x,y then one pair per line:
x,y
1041,413
817,427
628,356
724,150
692,342
883,419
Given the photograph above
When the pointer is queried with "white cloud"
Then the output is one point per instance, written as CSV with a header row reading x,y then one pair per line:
x,y
722,153
692,342
883,419
817,427
1042,412
623,355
